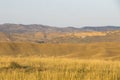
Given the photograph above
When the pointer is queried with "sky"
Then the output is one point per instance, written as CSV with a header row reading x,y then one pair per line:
x,y
61,13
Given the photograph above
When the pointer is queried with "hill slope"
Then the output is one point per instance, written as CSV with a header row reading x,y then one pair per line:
x,y
49,34
83,51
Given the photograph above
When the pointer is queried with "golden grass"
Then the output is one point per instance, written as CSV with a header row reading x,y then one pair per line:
x,y
103,50
58,69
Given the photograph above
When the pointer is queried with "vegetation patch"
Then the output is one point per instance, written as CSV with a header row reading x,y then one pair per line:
x,y
15,66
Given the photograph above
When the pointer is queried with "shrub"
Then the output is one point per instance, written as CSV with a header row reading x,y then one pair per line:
x,y
14,65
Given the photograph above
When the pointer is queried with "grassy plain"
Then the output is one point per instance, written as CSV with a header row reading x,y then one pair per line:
x,y
36,68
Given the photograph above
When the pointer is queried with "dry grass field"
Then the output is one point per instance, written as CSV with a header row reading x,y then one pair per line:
x,y
33,61
36,68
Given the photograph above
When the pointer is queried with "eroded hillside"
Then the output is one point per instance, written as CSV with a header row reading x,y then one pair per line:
x,y
48,34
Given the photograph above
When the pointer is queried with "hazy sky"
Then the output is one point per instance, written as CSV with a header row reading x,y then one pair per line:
x,y
61,12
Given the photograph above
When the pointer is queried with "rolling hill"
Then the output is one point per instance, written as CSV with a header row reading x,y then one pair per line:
x,y
46,41
48,34
82,51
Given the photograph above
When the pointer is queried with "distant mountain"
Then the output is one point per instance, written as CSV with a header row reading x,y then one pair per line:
x,y
102,28
38,33
20,28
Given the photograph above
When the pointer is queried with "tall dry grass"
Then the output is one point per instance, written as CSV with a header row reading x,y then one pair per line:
x,y
35,68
